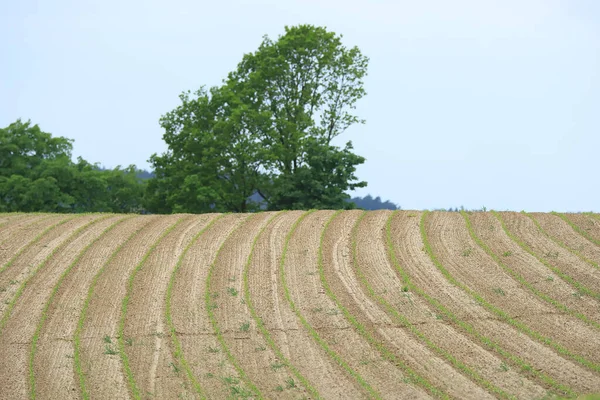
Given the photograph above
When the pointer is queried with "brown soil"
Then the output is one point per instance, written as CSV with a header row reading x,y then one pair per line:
x,y
450,240
588,224
54,363
536,273
22,235
200,347
232,313
28,282
267,294
561,231
424,274
9,226
339,272
25,264
373,263
20,327
103,372
323,315
150,356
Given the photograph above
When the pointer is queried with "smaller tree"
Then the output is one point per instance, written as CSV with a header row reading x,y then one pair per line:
x,y
214,157
37,174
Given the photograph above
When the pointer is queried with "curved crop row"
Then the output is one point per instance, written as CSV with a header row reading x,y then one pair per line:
x,y
215,324
361,381
83,315
33,242
27,226
561,244
500,313
124,303
403,321
260,324
575,284
11,218
40,324
178,353
11,304
519,278
577,228
465,326
414,377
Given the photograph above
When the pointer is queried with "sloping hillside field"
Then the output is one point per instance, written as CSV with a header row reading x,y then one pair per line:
x,y
291,305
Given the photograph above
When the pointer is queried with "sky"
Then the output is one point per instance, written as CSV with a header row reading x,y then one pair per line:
x,y
473,103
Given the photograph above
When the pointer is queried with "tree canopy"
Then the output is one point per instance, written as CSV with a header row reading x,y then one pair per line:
x,y
268,129
37,174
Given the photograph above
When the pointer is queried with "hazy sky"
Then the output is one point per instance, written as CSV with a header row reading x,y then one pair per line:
x,y
470,102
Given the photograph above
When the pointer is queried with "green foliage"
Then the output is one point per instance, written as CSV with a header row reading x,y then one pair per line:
x,y
213,159
266,130
37,174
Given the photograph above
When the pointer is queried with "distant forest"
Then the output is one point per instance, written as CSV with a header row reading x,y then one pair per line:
x,y
370,203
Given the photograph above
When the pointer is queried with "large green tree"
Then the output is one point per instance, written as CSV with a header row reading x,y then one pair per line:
x,y
268,130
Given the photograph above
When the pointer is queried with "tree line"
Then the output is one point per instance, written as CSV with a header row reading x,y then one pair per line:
x,y
263,139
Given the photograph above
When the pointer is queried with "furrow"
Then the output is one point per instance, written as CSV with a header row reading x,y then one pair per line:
x,y
445,250
139,224
525,234
28,305
7,220
587,227
53,382
179,358
413,317
147,365
306,297
211,302
529,272
267,339
235,320
23,243
199,344
557,230
9,228
418,273
335,264
279,323
100,363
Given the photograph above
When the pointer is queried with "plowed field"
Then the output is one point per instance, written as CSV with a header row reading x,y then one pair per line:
x,y
290,305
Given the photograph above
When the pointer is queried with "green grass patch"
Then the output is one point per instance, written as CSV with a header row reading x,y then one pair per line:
x,y
336,357
178,352
135,391
213,319
447,315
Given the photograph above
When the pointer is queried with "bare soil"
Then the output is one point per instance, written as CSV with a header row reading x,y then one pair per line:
x,y
335,357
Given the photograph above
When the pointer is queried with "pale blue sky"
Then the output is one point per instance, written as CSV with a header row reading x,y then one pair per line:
x,y
470,102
